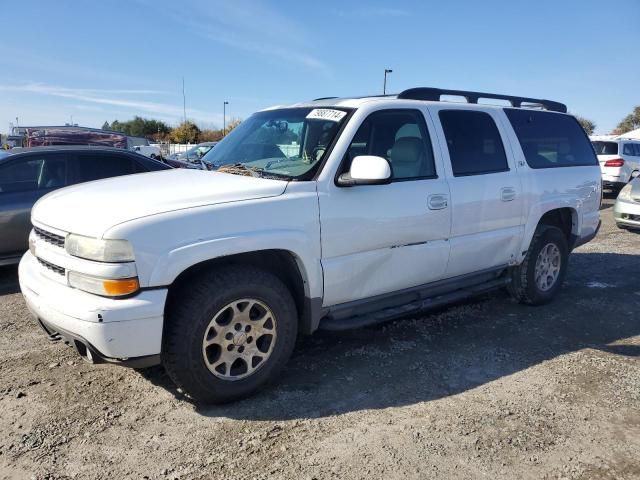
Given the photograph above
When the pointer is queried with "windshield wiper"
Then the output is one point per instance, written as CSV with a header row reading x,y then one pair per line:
x,y
242,169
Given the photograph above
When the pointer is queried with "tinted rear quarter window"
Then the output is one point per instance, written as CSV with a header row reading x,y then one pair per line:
x,y
628,149
551,140
474,142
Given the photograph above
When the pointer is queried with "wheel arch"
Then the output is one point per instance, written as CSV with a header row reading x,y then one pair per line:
x,y
566,218
285,264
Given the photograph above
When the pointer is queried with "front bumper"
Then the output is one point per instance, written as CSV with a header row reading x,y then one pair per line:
x,y
627,214
127,331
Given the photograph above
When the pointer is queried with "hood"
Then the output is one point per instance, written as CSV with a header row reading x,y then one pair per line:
x,y
92,208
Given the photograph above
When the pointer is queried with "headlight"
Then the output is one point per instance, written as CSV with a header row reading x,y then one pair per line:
x,y
102,286
99,250
625,193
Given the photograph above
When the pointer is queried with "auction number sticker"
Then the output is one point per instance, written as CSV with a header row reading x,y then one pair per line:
x,y
326,114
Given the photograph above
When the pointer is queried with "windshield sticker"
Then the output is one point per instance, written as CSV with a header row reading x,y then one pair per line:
x,y
326,114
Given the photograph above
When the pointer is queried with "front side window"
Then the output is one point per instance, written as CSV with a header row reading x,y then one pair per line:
x,y
401,137
285,143
551,140
474,143
33,173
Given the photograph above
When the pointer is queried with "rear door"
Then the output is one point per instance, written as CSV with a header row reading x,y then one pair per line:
x,y
23,180
631,156
486,191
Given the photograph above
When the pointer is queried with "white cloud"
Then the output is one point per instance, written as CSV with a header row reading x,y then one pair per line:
x,y
113,98
373,11
246,25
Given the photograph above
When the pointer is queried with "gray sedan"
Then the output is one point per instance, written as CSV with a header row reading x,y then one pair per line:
x,y
626,211
29,174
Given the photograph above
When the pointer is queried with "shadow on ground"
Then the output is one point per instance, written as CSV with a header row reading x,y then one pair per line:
x,y
449,351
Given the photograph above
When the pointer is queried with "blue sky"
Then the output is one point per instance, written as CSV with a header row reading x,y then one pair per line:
x,y
113,59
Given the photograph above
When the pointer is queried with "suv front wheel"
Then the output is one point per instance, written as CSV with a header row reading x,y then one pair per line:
x,y
540,275
229,332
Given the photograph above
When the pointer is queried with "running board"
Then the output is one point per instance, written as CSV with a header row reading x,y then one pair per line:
x,y
390,313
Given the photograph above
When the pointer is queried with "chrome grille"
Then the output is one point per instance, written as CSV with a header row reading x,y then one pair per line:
x,y
52,238
54,268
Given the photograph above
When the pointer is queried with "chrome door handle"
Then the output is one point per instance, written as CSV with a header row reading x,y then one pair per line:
x,y
507,194
438,202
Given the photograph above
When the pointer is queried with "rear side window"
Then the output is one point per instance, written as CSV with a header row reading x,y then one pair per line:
x,y
95,166
551,140
628,149
605,148
474,143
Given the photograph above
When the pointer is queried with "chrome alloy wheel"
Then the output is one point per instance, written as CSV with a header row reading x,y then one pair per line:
x,y
548,267
239,339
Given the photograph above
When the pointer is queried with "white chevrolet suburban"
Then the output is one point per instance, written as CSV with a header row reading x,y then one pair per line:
x,y
331,214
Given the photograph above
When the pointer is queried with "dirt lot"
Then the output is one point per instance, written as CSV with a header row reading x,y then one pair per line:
x,y
485,389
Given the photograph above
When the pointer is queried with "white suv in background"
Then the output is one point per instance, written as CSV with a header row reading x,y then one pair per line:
x,y
619,160
330,214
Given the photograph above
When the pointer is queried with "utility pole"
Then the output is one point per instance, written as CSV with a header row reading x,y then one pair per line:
x,y
384,88
224,118
184,103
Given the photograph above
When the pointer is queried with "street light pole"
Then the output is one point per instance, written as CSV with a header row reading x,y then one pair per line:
x,y
384,88
224,118
184,104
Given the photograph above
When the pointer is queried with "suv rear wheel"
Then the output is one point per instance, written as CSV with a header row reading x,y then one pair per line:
x,y
228,333
539,277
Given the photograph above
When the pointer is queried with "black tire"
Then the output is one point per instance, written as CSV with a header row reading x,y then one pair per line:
x,y
187,322
523,286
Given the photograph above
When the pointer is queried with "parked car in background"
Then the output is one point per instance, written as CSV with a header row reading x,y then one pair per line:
x,y
626,210
192,157
151,151
331,214
29,174
619,160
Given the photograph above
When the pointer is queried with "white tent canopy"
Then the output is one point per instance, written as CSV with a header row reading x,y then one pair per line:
x,y
632,134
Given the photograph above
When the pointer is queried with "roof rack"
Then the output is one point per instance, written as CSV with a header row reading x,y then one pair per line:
x,y
323,98
434,94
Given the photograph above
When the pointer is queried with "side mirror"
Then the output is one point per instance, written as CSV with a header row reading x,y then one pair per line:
x,y
367,170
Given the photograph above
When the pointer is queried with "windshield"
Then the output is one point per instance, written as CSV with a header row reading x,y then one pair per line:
x,y
605,148
288,143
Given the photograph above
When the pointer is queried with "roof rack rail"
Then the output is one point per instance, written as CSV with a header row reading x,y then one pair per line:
x,y
434,94
323,98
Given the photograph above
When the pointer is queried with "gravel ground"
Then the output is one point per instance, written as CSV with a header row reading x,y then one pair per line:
x,y
484,389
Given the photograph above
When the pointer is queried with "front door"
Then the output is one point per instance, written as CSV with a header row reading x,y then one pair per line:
x,y
378,239
23,180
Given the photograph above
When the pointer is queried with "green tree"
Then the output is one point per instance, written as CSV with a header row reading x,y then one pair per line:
x,y
588,125
141,127
630,122
106,126
186,132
